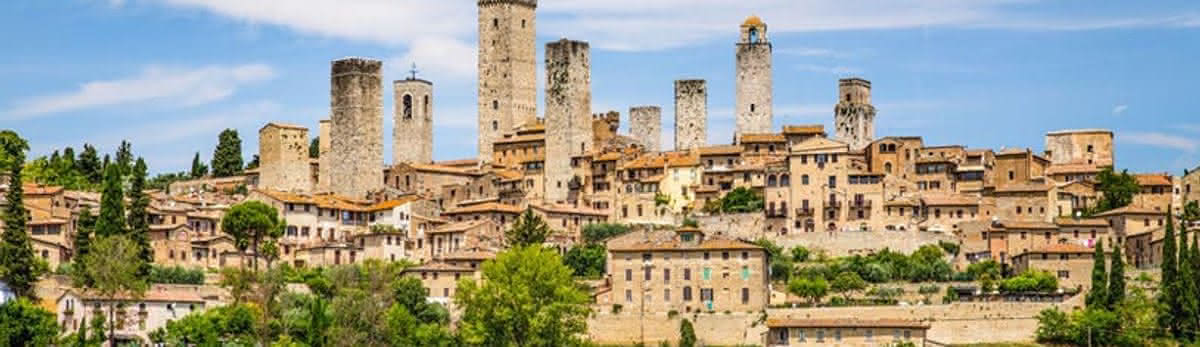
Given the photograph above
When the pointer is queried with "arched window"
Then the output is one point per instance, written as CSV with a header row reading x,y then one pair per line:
x,y
751,107
495,104
495,125
407,106
804,179
495,22
887,167
753,35
771,181
785,180
426,110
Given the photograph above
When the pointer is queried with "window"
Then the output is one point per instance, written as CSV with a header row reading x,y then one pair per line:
x,y
667,275
1064,274
495,125
687,274
804,180
745,295
667,295
687,293
628,295
646,274
407,101
628,275
745,272
707,273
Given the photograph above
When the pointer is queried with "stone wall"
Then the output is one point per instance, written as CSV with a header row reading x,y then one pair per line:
x,y
691,114
645,125
568,112
412,137
507,69
324,142
754,89
356,146
1083,146
283,157
854,117
843,243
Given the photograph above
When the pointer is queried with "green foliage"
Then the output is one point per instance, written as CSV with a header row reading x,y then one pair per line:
x,y
1098,295
810,288
138,217
1030,281
690,223
950,247
163,181
528,229
112,205
1053,326
254,162
89,165
227,158
1170,294
251,221
977,270
23,323
587,260
661,199
951,295
1117,189
235,324
527,298
600,232
781,266
800,254
18,267
113,266
847,283
90,334
886,294
1115,293
687,334
314,148
739,200
175,275
925,264
199,169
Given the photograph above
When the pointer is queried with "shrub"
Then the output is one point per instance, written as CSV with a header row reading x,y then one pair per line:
x,y
616,308
176,275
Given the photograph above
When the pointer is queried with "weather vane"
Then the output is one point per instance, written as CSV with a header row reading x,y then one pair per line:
x,y
413,71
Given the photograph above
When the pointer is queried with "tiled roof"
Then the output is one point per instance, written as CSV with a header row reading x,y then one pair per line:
x,y
676,245
38,189
487,207
1131,209
445,169
1153,179
156,294
556,208
721,150
1082,222
282,125
439,267
1060,248
1056,169
763,138
469,255
1028,225
390,204
523,138
1024,188
458,226
844,323
950,200
803,129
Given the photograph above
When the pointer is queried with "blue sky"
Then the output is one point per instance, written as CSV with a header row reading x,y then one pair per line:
x,y
170,74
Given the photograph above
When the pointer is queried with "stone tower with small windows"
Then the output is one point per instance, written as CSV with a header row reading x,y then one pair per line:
x,y
507,69
854,116
412,137
355,157
691,114
568,113
283,158
645,125
753,104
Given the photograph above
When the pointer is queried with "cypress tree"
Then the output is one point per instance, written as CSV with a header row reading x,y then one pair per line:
x,y
139,219
89,165
18,267
1169,288
1194,260
84,227
227,158
124,157
1098,295
1189,304
1116,279
198,167
112,205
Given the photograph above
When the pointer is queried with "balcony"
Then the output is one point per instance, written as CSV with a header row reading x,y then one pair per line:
x,y
861,204
804,211
777,214
833,204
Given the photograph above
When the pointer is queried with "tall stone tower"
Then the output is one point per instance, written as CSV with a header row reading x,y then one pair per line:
x,y
691,114
356,143
324,163
412,138
507,69
753,105
283,158
568,112
853,115
645,124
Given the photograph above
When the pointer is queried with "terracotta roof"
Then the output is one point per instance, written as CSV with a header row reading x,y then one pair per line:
x,y
1028,225
1056,169
901,202
686,159
390,204
439,267
721,150
676,245
156,293
804,129
1060,248
164,227
607,156
556,208
763,138
469,255
445,169
1082,222
287,197
1131,209
458,226
523,138
1024,188
1153,179
844,323
487,207
458,162
38,189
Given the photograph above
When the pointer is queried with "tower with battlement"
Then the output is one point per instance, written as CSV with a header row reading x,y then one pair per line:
x,y
691,114
568,112
355,155
283,158
507,69
753,110
645,126
854,116
412,136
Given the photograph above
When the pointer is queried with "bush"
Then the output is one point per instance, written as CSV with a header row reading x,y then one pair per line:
x,y
1030,281
977,270
596,233
950,247
800,254
587,260
176,275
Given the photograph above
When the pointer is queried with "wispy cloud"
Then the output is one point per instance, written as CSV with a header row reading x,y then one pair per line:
x,y
155,84
1119,109
1161,140
440,59
831,69
810,52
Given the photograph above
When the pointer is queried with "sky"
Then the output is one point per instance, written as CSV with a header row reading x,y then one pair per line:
x,y
169,75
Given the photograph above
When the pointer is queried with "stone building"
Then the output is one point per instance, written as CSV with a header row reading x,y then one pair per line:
x,y
754,91
324,161
507,69
136,318
283,158
1070,263
356,146
645,125
691,114
844,332
1080,146
854,116
568,112
412,136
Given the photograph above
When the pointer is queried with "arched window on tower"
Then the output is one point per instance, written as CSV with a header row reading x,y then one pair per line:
x,y
407,106
887,167
495,22
495,104
753,35
426,110
495,125
751,107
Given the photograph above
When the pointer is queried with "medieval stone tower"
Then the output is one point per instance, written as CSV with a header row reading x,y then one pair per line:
x,y
691,114
324,163
283,158
853,115
645,125
753,105
356,134
507,69
568,112
412,138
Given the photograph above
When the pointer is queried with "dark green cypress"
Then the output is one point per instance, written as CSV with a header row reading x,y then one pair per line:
x,y
1116,279
1169,288
139,218
20,268
112,205
1098,295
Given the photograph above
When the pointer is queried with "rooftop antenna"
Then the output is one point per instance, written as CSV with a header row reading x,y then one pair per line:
x,y
413,72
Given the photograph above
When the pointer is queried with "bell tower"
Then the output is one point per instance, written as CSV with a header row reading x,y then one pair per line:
x,y
753,104
854,115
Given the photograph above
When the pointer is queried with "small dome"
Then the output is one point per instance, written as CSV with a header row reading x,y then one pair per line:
x,y
753,21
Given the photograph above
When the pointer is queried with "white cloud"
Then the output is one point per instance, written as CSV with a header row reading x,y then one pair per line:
x,y
835,69
154,84
809,52
1119,109
440,59
1162,140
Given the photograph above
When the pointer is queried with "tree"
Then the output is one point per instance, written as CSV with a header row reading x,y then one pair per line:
x,y
1116,279
314,148
739,200
18,267
139,218
84,228
90,334
529,229
600,232
1053,326
1188,302
1194,263
23,323
1191,213
199,170
124,157
249,222
89,165
112,205
1098,295
847,283
800,254
811,288
587,260
1169,295
527,297
687,334
1117,189
113,266
227,158
254,162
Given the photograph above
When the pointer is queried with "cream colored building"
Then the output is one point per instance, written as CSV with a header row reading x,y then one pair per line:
x,y
844,332
135,318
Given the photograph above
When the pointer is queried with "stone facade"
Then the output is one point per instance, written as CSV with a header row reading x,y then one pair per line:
x,y
507,69
568,112
854,116
356,146
645,125
412,137
283,158
324,142
754,91
1083,146
691,114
